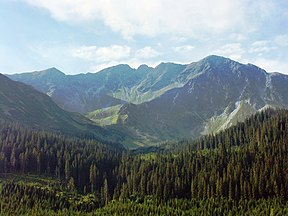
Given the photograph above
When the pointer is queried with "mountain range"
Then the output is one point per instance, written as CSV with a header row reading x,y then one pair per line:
x,y
28,107
171,101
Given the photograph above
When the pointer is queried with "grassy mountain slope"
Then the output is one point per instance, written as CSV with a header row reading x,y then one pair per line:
x,y
23,104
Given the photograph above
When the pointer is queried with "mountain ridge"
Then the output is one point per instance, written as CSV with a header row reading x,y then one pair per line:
x,y
170,101
30,108
244,88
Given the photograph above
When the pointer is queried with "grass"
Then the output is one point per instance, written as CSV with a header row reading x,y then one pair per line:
x,y
29,179
105,116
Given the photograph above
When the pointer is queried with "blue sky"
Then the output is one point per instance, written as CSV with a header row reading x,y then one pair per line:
x,y
79,36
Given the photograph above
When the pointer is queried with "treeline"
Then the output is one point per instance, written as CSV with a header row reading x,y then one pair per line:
x,y
246,162
82,163
264,127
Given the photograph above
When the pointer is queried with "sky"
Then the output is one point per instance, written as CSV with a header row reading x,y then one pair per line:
x,y
80,36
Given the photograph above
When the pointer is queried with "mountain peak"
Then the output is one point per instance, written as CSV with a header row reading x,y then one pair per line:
x,y
211,63
116,68
215,59
143,66
122,67
51,71
143,69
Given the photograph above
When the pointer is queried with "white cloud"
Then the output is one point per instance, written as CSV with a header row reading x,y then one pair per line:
x,y
152,17
281,40
271,65
237,37
98,58
261,47
85,52
232,50
146,52
183,49
178,39
102,54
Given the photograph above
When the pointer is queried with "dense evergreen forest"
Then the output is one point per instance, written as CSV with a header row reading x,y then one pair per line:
x,y
243,170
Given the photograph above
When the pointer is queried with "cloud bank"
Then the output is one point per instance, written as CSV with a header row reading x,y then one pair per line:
x,y
152,31
152,17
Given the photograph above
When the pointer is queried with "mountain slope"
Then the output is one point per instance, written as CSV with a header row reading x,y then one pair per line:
x,y
113,86
23,104
220,93
169,101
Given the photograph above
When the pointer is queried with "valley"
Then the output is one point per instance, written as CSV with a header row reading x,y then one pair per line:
x,y
206,138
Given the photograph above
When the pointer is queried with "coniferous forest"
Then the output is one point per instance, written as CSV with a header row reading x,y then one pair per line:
x,y
240,171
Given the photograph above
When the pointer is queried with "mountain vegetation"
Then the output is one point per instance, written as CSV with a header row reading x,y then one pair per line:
x,y
23,104
240,171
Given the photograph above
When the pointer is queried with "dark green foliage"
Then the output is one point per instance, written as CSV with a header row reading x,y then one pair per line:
x,y
197,207
34,202
241,171
68,159
49,197
247,161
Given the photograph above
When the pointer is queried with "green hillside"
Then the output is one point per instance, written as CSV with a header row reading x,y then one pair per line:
x,y
240,171
23,104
